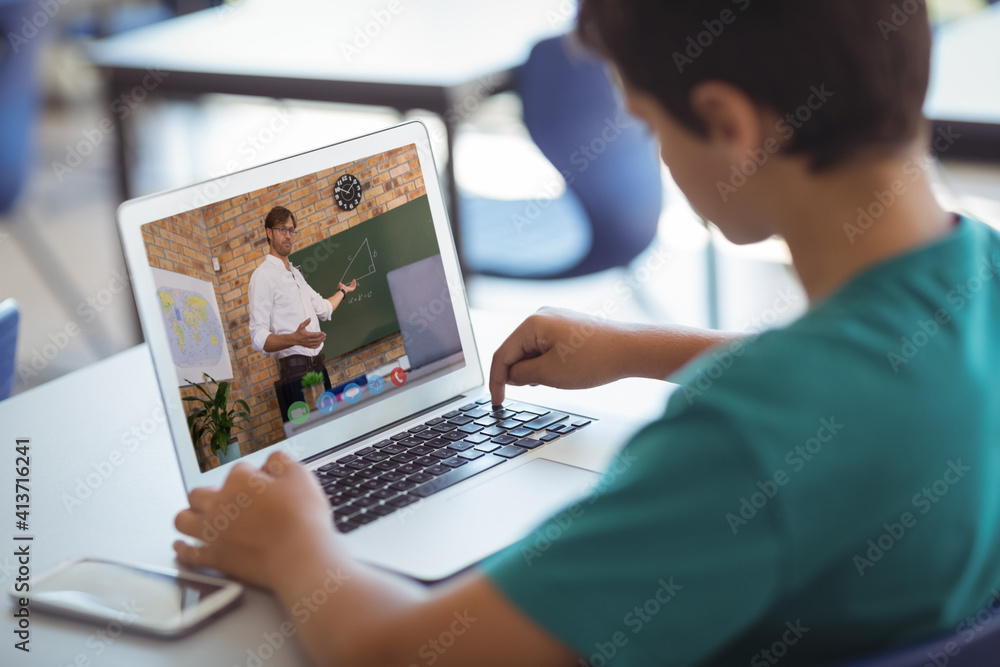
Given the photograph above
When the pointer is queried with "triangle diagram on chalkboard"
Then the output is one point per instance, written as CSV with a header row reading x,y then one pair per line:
x,y
365,260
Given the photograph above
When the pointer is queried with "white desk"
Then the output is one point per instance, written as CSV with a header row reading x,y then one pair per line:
x,y
78,422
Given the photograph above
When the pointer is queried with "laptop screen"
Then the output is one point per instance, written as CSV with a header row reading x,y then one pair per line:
x,y
293,305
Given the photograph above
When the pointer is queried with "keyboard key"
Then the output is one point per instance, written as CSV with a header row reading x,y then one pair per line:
x,y
436,469
418,428
520,432
477,413
339,471
483,401
453,436
427,435
549,437
403,501
472,454
542,422
504,439
509,424
528,443
469,406
535,409
461,421
347,526
385,465
580,423
329,466
461,445
370,485
390,476
492,431
457,475
357,465
405,457
410,441
402,485
488,447
443,428
510,451
363,451
423,450
442,454
384,494
470,428
486,421
524,417
381,510
399,436
434,422
375,457
503,414
393,449
420,477
365,501
382,443
453,413
454,462
477,438
369,473
425,461
364,518
409,468
354,492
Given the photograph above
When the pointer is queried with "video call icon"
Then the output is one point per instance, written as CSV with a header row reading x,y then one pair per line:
x,y
298,412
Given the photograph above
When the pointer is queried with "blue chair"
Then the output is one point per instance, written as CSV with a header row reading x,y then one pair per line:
x,y
9,318
19,90
978,646
610,211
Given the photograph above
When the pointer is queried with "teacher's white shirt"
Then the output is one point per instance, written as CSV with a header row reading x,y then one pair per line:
x,y
280,300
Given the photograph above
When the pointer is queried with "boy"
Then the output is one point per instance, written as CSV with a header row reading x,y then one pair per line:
x,y
817,493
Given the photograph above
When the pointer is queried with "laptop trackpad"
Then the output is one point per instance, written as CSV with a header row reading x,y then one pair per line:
x,y
529,493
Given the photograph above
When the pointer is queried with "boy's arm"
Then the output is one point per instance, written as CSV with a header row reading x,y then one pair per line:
x,y
345,612
569,350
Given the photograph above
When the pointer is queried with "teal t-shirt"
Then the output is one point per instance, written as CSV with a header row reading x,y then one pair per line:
x,y
823,491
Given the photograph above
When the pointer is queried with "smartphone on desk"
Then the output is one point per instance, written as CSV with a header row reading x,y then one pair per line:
x,y
153,601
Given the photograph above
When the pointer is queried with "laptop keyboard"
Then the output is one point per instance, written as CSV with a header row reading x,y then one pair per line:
x,y
394,473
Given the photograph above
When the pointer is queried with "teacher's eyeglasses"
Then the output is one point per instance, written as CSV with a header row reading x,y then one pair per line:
x,y
287,231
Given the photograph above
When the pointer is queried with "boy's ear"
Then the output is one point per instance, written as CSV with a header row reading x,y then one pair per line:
x,y
733,121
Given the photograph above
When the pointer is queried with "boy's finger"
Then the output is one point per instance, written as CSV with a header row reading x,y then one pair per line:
x,y
529,371
277,464
190,523
192,555
200,498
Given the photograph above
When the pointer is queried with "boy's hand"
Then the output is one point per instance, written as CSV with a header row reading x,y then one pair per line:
x,y
559,348
261,525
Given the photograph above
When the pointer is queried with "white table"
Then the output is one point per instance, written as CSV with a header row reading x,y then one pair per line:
x,y
105,483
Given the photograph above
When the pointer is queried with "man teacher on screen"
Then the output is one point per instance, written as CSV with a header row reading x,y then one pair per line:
x,y
285,311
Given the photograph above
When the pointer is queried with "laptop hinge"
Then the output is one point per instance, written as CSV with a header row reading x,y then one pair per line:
x,y
383,429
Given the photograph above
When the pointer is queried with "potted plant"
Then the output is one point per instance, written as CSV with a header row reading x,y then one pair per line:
x,y
312,387
216,420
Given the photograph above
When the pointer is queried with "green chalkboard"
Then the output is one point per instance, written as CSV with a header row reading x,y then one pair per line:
x,y
366,253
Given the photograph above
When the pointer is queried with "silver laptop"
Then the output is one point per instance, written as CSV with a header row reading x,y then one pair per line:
x,y
425,477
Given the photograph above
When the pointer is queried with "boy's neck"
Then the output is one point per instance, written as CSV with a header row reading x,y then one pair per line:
x,y
839,225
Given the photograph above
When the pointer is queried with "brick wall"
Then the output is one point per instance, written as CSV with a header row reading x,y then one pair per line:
x,y
233,231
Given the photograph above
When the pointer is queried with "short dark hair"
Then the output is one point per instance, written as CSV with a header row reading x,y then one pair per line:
x,y
277,216
873,56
